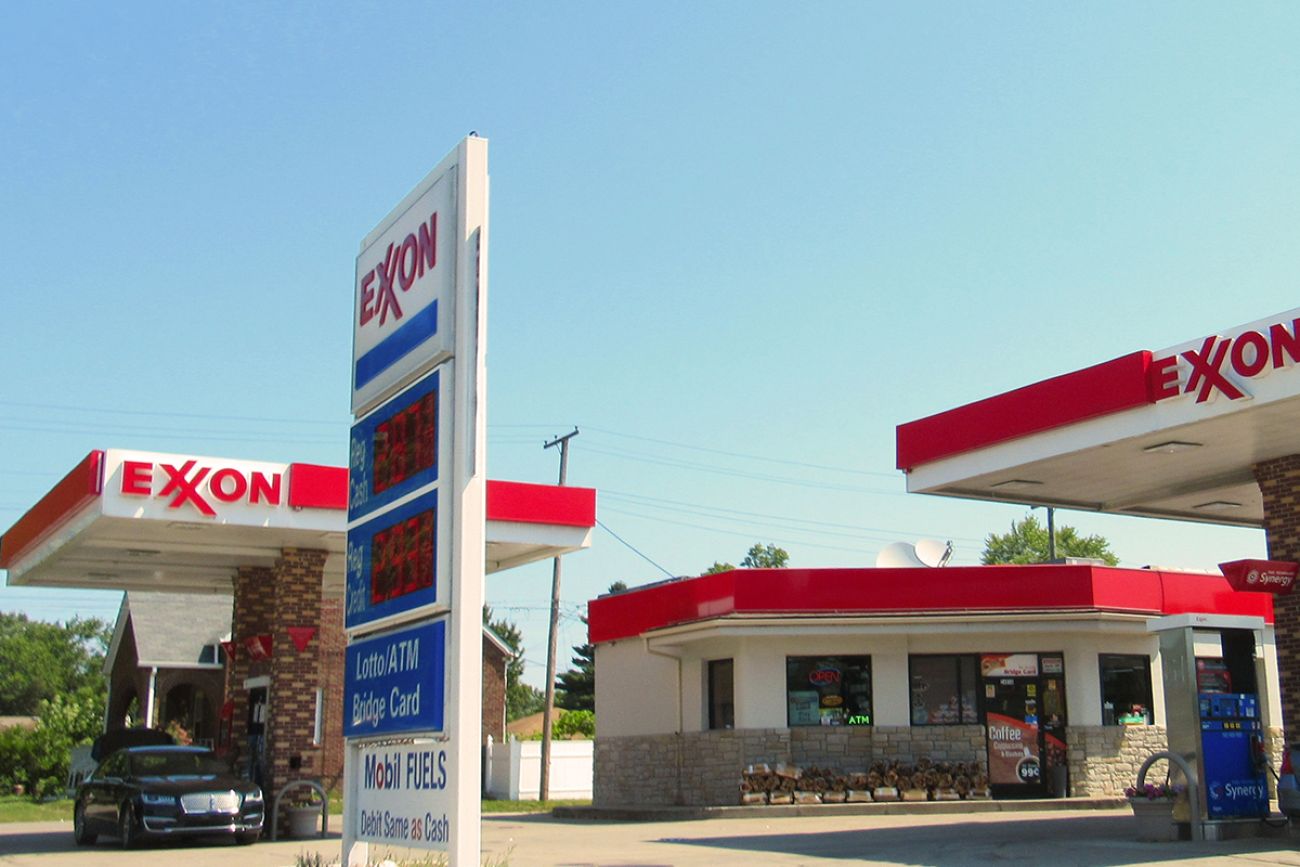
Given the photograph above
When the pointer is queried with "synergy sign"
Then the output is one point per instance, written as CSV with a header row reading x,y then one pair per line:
x,y
405,290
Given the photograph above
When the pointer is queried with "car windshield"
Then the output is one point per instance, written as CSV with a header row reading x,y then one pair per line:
x,y
176,764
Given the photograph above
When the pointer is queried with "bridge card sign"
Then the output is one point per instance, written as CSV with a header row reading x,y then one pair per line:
x,y
1261,576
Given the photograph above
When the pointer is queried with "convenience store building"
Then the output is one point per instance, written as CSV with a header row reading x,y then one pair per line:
x,y
911,663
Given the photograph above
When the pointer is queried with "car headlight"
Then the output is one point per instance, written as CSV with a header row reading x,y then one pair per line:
x,y
253,797
156,800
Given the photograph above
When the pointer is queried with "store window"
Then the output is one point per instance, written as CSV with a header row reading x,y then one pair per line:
x,y
1125,689
828,690
722,694
943,690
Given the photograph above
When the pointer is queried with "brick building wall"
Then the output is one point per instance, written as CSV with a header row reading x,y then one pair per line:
x,y
1279,482
494,692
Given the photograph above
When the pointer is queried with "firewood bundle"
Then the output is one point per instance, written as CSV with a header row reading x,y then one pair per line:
x,y
762,783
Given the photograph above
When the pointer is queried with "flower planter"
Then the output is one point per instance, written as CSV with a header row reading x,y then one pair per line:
x,y
1155,819
303,822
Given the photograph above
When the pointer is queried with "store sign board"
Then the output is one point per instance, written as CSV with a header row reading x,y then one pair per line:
x,y
1013,751
396,449
1225,365
1261,576
1009,665
403,795
397,564
395,683
403,314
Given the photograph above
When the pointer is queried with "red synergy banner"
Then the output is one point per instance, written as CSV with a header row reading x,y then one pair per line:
x,y
1261,576
1013,751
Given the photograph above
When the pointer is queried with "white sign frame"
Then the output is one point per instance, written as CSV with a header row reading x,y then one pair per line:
x,y
462,492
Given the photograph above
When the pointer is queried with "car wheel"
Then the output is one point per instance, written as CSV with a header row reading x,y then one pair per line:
x,y
126,830
79,832
247,838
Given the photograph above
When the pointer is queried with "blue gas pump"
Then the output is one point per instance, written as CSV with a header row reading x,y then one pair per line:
x,y
1232,749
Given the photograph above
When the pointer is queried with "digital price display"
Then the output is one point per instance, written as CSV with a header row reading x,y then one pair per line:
x,y
394,449
393,561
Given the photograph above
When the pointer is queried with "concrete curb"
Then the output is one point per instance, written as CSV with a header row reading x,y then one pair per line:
x,y
633,813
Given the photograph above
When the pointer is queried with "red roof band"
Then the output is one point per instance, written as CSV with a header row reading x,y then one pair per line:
x,y
1109,387
953,589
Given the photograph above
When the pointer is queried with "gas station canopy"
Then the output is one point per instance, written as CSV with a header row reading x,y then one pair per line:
x,y
126,520
1169,434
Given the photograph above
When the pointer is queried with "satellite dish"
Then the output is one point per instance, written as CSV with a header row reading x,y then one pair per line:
x,y
934,553
898,555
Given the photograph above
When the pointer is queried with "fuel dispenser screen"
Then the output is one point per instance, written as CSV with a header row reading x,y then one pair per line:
x,y
1232,747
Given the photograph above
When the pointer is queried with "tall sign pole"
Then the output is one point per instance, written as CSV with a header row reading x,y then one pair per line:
x,y
416,521
548,710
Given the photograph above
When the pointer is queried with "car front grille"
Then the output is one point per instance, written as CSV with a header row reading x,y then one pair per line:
x,y
211,802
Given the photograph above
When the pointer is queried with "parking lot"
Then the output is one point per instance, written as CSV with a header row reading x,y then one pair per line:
x,y
1070,838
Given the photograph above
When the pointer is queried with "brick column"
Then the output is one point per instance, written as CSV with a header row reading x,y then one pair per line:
x,y
253,602
1279,482
295,675
333,645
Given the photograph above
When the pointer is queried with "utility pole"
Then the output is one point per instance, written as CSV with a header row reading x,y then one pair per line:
x,y
1051,534
544,784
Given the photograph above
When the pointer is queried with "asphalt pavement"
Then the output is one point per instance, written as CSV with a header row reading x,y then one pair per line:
x,y
1063,838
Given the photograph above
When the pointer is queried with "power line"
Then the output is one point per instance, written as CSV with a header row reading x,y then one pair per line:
x,y
633,549
786,461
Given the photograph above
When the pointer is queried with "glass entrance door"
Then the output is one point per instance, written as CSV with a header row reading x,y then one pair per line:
x,y
1024,716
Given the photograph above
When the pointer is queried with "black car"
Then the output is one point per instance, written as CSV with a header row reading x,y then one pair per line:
x,y
165,791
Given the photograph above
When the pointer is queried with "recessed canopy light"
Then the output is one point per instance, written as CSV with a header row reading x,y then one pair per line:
x,y
1172,447
1015,483
1218,506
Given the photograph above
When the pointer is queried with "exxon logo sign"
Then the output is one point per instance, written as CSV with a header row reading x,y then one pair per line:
x,y
1225,365
199,486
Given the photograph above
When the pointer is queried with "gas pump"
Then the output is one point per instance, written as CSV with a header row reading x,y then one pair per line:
x,y
1215,703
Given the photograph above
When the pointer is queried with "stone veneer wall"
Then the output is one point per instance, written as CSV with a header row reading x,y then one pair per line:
x,y
703,768
1104,760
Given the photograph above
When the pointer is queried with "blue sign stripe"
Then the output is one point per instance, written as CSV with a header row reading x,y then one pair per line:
x,y
422,326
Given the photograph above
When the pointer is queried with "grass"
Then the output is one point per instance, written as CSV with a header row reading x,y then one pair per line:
x,y
21,809
18,808
492,806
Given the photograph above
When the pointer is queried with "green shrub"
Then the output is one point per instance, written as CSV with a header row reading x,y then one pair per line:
x,y
575,723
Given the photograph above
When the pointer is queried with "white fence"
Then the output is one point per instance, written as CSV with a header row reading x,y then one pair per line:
x,y
513,769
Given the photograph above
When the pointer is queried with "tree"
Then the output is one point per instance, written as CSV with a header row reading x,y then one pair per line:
x,y
759,556
521,699
44,661
765,557
575,689
1027,543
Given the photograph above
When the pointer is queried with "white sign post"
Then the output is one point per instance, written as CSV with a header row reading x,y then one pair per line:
x,y
417,520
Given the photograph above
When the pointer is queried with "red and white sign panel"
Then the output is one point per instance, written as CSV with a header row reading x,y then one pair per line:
x,y
1261,576
1009,665
406,288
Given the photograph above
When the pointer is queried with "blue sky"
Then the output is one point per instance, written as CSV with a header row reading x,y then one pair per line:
x,y
735,243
